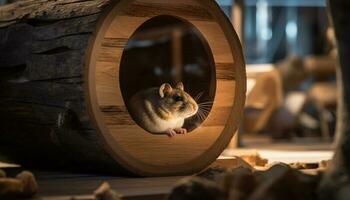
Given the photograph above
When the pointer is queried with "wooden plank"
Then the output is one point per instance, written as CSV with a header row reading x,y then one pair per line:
x,y
116,115
218,44
115,42
225,71
110,54
225,93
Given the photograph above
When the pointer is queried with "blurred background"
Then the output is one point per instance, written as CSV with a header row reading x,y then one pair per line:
x,y
291,57
274,29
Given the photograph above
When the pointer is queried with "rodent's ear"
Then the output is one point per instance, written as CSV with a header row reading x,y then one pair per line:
x,y
179,86
165,89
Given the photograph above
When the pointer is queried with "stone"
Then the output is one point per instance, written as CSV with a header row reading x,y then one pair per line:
x,y
238,183
282,182
214,171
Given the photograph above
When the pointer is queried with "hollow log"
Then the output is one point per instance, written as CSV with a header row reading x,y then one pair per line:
x,y
65,80
338,176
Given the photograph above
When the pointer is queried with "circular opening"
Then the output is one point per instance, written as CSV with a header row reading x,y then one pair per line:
x,y
166,49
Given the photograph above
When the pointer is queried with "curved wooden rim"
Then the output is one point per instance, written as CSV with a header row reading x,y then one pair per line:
x,y
122,157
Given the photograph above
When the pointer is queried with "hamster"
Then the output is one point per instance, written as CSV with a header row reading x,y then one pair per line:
x,y
163,110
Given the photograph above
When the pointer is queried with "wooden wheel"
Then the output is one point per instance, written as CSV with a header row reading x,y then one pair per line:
x,y
135,148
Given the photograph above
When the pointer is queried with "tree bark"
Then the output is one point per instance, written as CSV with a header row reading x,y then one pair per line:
x,y
338,176
42,52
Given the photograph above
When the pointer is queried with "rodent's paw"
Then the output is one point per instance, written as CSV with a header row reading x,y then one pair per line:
x,y
174,132
180,130
171,132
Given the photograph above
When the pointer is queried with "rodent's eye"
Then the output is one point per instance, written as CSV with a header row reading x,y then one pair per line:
x,y
178,98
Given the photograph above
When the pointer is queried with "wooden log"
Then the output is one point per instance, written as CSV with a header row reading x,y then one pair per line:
x,y
43,47
63,99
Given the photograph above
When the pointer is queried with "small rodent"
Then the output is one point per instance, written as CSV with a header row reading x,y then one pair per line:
x,y
163,109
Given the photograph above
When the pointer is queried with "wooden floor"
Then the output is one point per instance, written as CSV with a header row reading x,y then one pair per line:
x,y
306,150
129,188
68,186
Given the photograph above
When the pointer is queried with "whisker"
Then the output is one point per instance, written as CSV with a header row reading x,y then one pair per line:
x,y
205,103
205,113
200,95
196,97
205,108
199,115
204,116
